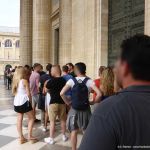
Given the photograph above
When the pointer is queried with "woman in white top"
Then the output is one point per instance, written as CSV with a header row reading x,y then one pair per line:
x,y
22,103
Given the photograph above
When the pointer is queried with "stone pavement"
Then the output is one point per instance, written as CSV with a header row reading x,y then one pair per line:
x,y
8,131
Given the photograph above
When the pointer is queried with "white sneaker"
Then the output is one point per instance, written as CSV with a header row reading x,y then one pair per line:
x,y
49,140
44,129
64,138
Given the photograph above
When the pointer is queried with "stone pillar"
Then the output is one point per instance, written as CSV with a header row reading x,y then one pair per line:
x,y
25,32
147,17
65,29
41,32
101,34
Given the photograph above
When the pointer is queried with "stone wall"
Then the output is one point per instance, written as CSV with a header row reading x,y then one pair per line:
x,y
147,17
83,33
54,25
89,33
68,31
83,21
26,10
41,32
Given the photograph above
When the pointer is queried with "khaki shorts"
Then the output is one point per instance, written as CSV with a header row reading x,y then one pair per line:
x,y
57,110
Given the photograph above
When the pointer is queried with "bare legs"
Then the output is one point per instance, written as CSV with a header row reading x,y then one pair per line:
x,y
42,117
63,127
34,111
52,128
46,119
19,125
74,135
30,124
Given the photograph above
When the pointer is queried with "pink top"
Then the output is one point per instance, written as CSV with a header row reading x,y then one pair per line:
x,y
34,83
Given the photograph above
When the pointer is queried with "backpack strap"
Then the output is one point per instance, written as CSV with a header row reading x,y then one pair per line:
x,y
75,80
85,80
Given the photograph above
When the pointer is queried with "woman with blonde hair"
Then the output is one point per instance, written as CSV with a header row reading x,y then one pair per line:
x,y
107,82
22,103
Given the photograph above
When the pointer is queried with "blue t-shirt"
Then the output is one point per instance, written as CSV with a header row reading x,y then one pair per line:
x,y
68,77
43,79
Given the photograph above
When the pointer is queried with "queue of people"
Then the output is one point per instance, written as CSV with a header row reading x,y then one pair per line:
x,y
67,95
60,94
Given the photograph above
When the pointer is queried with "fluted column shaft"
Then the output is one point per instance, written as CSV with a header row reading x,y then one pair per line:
x,y
65,31
26,32
147,16
101,34
41,31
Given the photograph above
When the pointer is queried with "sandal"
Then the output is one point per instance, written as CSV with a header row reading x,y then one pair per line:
x,y
23,140
33,140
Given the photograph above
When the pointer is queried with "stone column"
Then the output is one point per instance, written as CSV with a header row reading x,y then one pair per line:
x,y
25,32
41,32
65,31
101,34
147,17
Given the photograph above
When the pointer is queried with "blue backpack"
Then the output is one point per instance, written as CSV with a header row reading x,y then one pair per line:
x,y
80,94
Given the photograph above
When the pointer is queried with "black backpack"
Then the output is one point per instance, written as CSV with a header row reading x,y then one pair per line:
x,y
80,94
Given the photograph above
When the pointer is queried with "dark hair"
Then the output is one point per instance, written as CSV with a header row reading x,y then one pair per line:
x,y
27,66
136,52
101,69
65,68
81,67
36,65
41,66
48,67
70,64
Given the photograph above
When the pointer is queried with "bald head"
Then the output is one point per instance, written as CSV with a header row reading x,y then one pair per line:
x,y
56,71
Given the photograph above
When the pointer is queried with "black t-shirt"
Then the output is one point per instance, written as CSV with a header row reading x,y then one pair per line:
x,y
120,122
55,86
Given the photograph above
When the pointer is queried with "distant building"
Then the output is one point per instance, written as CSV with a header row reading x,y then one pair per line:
x,y
9,47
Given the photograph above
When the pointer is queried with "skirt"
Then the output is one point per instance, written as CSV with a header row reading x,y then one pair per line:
x,y
78,119
26,107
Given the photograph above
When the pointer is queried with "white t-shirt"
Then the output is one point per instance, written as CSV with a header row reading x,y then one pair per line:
x,y
21,97
90,83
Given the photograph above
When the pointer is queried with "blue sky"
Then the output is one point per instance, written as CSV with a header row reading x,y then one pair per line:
x,y
9,13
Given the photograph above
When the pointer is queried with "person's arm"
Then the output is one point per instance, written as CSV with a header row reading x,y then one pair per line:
x,y
98,93
40,84
44,88
37,80
62,94
92,91
96,90
26,84
99,135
